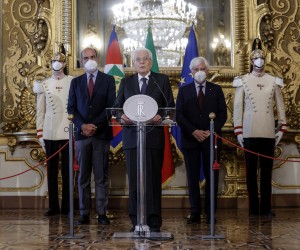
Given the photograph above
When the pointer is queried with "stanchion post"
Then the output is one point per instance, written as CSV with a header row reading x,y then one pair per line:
x,y
212,179
71,214
71,184
212,235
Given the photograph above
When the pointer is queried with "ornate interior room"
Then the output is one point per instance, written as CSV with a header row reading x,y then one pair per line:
x,y
33,30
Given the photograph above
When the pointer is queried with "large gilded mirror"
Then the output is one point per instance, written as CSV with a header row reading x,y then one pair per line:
x,y
170,21
215,28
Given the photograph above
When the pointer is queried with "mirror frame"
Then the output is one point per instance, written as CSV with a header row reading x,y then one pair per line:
x,y
239,40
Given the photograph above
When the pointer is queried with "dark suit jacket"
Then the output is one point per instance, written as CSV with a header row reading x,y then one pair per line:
x,y
189,116
92,110
160,90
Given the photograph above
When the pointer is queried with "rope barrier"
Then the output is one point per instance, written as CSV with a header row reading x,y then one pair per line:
x,y
8,177
249,151
215,134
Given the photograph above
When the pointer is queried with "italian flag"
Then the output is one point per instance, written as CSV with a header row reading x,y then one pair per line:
x,y
114,67
168,169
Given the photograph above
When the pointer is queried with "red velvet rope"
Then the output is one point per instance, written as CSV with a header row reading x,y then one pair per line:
x,y
258,154
216,165
8,177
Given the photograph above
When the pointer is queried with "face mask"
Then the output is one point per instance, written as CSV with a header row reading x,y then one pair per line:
x,y
57,66
200,76
91,66
259,62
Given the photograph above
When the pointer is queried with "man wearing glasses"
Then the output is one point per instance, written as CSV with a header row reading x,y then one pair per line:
x,y
158,87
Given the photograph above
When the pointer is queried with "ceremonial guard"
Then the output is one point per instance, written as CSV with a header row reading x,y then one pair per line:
x,y
51,124
254,126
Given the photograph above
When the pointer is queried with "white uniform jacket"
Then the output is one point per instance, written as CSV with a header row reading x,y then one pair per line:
x,y
253,113
51,110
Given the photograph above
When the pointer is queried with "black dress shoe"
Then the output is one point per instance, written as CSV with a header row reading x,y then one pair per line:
x,y
193,219
83,220
251,215
64,213
103,220
268,214
253,212
155,229
51,212
208,220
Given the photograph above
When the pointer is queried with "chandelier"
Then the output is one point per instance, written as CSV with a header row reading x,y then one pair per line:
x,y
171,55
166,57
168,19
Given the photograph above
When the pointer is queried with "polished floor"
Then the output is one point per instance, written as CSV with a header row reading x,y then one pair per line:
x,y
30,229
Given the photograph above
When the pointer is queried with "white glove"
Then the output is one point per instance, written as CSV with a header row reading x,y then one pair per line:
x,y
240,139
278,137
42,143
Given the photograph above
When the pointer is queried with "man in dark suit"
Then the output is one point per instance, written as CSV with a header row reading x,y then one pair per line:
x,y
158,87
192,115
90,94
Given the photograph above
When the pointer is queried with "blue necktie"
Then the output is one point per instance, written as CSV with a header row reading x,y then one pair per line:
x,y
144,86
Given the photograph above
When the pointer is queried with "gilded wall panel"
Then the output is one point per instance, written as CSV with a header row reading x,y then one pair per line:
x,y
280,32
25,53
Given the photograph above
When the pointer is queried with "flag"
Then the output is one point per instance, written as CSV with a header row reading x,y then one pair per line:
x,y
114,67
191,52
168,166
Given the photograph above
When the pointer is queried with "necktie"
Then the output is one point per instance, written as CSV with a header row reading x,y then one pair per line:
x,y
200,97
144,86
91,85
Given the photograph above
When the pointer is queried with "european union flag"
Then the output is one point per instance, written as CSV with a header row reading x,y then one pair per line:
x,y
191,52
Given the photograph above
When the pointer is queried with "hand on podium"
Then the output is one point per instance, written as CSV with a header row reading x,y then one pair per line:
x,y
156,119
125,120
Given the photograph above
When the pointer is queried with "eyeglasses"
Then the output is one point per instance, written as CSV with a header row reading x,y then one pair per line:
x,y
144,59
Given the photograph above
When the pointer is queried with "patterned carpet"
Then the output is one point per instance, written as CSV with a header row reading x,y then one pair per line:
x,y
30,229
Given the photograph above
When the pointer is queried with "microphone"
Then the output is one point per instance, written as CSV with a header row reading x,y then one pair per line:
x,y
167,119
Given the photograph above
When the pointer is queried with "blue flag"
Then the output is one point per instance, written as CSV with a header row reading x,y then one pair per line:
x,y
191,52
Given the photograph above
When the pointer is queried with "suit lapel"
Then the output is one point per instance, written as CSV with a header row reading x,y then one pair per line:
x,y
193,93
208,91
96,85
151,86
135,84
84,85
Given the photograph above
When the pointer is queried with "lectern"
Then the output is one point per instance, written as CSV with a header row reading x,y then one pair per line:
x,y
141,109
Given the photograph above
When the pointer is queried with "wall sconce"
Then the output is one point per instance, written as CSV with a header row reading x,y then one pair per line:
x,y
92,41
221,49
129,45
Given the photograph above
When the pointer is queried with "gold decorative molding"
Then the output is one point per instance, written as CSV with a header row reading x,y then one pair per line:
x,y
38,182
280,32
